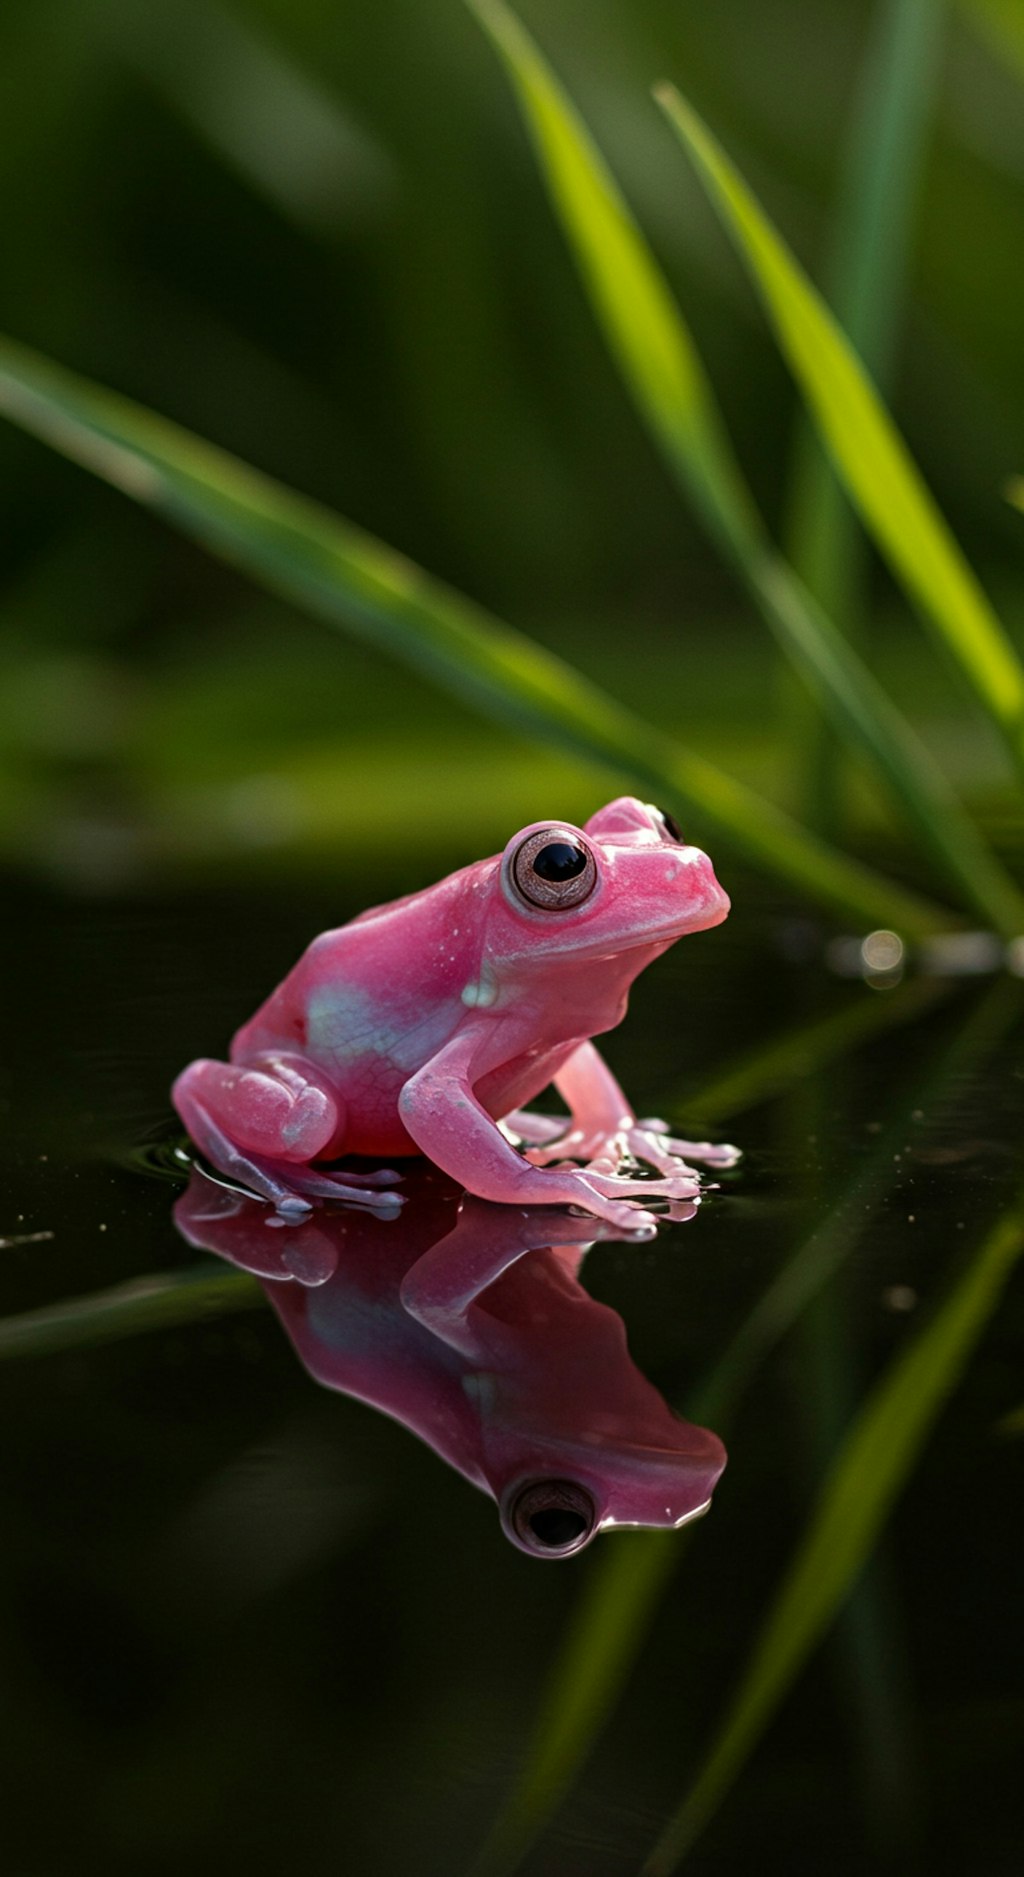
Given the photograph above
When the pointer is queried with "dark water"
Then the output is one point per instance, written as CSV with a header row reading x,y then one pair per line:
x,y
245,1618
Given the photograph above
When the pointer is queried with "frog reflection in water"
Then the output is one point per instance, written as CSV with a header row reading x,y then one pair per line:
x,y
500,1361
424,1024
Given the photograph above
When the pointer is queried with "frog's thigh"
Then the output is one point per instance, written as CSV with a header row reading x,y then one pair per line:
x,y
273,1105
591,1093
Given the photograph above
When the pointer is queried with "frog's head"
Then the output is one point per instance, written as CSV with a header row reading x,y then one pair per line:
x,y
664,1482
625,880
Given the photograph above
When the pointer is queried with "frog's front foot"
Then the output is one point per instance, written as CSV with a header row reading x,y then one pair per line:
x,y
615,1185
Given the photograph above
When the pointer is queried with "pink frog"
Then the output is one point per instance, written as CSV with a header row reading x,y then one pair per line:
x,y
424,1025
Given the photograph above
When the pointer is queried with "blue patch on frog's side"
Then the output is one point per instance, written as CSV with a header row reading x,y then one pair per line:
x,y
344,1022
345,1320
348,1025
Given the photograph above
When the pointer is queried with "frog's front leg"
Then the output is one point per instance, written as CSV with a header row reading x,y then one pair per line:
x,y
264,1121
603,1131
443,1285
441,1112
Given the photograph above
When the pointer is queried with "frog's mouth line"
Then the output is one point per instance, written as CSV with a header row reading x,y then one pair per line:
x,y
664,933
638,1525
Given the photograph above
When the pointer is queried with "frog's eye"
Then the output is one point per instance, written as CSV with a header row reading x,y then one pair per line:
x,y
552,1518
671,826
553,869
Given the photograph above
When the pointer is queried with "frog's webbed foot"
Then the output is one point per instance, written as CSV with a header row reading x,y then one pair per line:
x,y
550,1139
292,1190
262,1124
678,1187
605,1171
713,1153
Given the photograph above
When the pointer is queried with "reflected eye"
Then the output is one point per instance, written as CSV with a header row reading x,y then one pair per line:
x,y
553,870
553,1518
672,828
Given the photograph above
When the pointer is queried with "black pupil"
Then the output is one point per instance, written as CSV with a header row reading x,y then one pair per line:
x,y
560,860
672,827
557,1526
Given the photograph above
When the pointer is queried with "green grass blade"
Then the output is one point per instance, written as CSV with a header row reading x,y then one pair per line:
x,y
1001,23
1015,492
146,1303
287,136
659,362
802,1049
862,440
632,300
344,576
870,1470
881,172
858,705
596,1657
866,273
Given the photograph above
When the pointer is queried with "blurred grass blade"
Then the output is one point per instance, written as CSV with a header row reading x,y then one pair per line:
x,y
871,243
870,1470
611,1618
632,300
1011,1426
863,442
1001,23
338,573
862,710
865,271
655,352
146,1303
787,1059
270,120
867,267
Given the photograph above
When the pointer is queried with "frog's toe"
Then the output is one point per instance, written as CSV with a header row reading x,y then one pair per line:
x,y
362,1189
684,1185
678,1186
636,1220
624,1214
293,1206
713,1153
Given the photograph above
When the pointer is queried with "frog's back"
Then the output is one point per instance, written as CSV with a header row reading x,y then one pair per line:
x,y
384,989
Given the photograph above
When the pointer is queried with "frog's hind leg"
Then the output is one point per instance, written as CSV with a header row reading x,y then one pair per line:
x,y
263,1122
602,1131
534,1129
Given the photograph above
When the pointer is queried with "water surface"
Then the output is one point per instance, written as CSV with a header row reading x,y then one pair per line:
x,y
244,1615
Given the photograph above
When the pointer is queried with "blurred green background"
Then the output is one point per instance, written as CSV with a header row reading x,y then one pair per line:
x,y
315,233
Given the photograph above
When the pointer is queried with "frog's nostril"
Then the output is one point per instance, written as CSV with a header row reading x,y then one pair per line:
x,y
552,1518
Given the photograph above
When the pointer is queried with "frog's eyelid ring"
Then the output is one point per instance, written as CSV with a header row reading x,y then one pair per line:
x,y
549,1518
551,870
